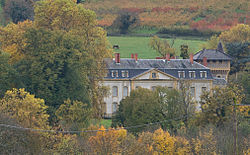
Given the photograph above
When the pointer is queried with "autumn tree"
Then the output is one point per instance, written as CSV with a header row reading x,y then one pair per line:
x,y
25,108
74,115
16,141
216,107
162,47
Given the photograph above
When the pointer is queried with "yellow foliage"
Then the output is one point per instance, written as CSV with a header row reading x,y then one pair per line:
x,y
25,108
107,141
12,39
163,142
239,33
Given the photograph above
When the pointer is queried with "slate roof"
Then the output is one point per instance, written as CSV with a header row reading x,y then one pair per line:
x,y
219,81
212,55
140,66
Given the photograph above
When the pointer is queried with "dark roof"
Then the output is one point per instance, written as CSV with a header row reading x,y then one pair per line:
x,y
143,65
153,63
219,81
212,54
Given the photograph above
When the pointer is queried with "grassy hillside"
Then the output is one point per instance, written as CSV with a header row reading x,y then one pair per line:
x,y
215,15
129,45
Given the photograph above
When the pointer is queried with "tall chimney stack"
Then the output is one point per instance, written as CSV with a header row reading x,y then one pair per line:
x,y
191,57
132,56
117,57
204,61
168,57
136,56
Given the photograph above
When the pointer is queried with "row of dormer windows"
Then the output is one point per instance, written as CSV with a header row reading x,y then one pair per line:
x,y
191,74
115,73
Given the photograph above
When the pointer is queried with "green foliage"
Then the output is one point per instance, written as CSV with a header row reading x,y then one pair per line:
x,y
184,52
8,75
124,21
74,115
217,106
240,52
161,46
54,66
144,106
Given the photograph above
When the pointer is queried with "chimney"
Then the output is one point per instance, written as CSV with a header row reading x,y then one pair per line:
x,y
136,56
191,57
132,56
168,57
117,57
204,61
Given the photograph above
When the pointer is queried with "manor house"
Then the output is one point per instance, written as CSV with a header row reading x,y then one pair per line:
x,y
127,74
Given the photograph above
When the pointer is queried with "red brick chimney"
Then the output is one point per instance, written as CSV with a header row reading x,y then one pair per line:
x,y
117,57
136,56
173,57
168,57
132,56
204,61
191,57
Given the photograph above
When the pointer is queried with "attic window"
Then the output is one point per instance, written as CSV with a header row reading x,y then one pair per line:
x,y
203,74
153,75
192,74
124,73
114,73
181,74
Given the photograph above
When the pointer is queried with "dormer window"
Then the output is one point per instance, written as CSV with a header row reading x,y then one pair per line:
x,y
192,74
153,75
124,73
114,73
181,74
203,74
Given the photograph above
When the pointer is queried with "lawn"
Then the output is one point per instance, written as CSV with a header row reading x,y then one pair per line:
x,y
129,45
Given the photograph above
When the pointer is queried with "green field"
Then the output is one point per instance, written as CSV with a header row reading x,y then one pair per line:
x,y
129,45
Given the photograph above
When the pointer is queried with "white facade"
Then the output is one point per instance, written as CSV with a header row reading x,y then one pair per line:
x,y
120,88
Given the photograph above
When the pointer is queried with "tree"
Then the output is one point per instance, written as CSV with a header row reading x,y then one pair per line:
x,y
15,141
212,43
184,52
19,10
162,47
216,108
107,142
124,21
29,111
74,115
13,40
238,33
8,75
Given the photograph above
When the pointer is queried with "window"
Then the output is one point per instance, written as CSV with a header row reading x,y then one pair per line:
x,y
181,74
203,89
124,73
112,73
192,91
203,74
115,91
153,75
114,107
116,73
192,74
125,91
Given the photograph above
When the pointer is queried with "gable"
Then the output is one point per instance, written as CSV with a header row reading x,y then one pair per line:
x,y
154,74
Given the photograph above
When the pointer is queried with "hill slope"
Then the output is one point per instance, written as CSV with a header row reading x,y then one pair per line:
x,y
215,15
